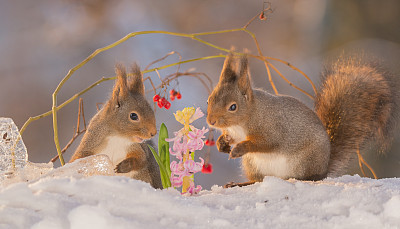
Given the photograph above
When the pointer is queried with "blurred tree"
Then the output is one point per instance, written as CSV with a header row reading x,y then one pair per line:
x,y
347,21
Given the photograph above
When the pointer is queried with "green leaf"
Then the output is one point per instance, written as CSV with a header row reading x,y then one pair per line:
x,y
163,148
158,162
163,172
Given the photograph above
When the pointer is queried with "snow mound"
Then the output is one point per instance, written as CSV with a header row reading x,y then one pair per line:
x,y
120,202
84,167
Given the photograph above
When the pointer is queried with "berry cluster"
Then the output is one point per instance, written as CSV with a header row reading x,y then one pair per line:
x,y
174,94
163,102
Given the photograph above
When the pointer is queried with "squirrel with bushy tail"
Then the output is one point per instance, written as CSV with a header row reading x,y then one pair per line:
x,y
356,107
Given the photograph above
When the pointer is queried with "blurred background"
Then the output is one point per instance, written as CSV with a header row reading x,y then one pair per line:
x,y
41,40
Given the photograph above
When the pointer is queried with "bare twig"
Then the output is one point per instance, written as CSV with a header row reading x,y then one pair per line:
x,y
296,69
362,161
174,76
361,166
265,61
193,36
78,132
268,10
163,58
287,81
98,106
31,119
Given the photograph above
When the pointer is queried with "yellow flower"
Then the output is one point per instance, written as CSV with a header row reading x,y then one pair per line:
x,y
184,115
187,116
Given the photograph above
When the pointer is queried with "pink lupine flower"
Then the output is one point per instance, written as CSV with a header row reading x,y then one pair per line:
x,y
195,141
192,167
176,181
194,190
186,141
178,136
179,148
177,154
177,168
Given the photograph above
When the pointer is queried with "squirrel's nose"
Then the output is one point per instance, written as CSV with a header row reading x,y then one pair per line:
x,y
211,121
153,133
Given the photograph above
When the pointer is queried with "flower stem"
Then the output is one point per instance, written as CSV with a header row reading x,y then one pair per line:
x,y
186,179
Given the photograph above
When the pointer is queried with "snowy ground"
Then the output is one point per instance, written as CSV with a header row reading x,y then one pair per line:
x,y
62,200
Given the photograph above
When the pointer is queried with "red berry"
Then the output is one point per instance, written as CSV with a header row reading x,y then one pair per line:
x,y
163,101
172,92
178,95
209,142
167,105
263,17
156,98
172,97
207,168
160,104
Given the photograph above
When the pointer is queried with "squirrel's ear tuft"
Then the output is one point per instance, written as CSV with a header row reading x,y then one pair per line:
x,y
228,73
135,82
244,78
120,87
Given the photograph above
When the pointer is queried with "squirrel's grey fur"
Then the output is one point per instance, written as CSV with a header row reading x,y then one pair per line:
x,y
112,132
280,136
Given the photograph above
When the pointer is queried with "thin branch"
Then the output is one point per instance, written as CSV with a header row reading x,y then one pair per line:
x,y
31,119
192,73
269,9
360,158
287,81
361,167
174,76
193,36
98,106
296,69
265,62
78,132
158,60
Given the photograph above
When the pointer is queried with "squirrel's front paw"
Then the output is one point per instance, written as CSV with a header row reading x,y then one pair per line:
x,y
125,166
237,151
223,144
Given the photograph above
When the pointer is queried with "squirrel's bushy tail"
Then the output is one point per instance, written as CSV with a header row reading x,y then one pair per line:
x,y
358,105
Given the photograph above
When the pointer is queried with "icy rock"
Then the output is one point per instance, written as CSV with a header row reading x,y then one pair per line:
x,y
31,171
12,147
99,165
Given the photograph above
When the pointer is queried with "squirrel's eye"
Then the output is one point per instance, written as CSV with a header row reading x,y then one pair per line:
x,y
233,107
134,116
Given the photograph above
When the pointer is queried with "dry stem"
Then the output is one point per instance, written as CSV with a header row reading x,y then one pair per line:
x,y
193,36
77,131
362,161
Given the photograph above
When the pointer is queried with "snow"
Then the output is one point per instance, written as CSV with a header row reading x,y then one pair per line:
x,y
64,198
